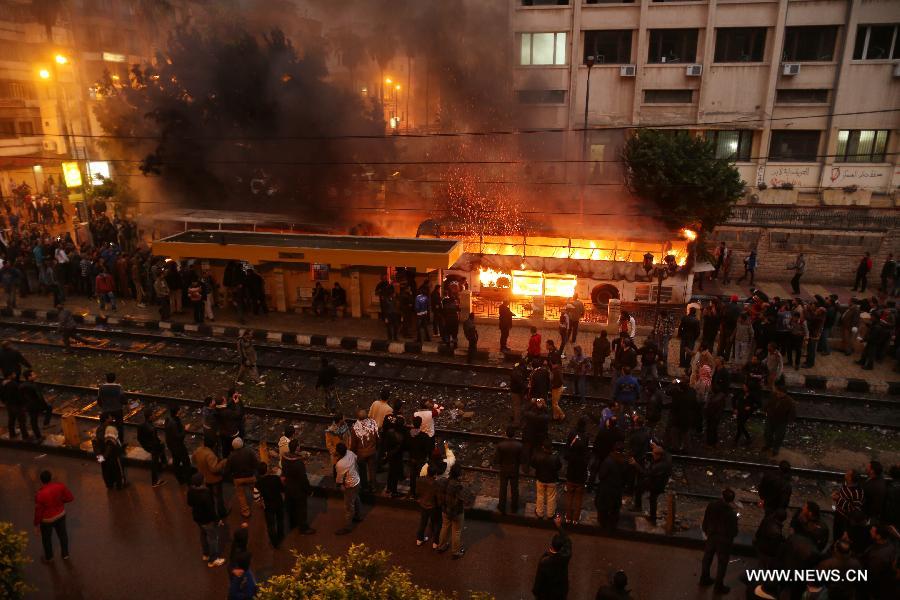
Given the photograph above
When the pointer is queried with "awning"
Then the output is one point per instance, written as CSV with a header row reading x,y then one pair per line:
x,y
260,247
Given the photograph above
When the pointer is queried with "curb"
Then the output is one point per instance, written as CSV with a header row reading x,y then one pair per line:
x,y
690,539
812,382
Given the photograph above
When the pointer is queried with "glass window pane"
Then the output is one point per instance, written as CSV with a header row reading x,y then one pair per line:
x,y
745,145
526,49
560,49
843,135
865,145
542,48
860,43
727,144
880,42
880,145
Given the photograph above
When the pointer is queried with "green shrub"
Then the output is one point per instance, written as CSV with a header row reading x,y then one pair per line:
x,y
360,574
13,545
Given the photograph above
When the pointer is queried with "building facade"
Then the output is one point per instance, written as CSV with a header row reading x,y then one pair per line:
x,y
802,94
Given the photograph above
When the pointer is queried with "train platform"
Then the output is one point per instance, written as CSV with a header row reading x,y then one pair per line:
x,y
835,372
151,528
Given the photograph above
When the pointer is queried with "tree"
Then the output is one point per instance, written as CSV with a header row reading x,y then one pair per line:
x,y
359,575
13,545
46,12
680,174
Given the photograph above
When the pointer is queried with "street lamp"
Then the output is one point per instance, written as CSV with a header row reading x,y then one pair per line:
x,y
61,60
44,73
589,61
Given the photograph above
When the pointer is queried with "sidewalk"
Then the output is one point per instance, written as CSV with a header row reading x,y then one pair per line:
x,y
836,372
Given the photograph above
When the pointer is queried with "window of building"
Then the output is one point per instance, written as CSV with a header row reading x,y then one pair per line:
x,y
810,43
876,42
543,49
740,44
26,128
672,45
732,144
861,145
812,96
7,128
545,2
609,1
611,46
541,96
18,90
790,145
668,96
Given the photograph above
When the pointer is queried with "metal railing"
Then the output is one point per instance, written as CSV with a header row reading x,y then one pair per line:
x,y
812,217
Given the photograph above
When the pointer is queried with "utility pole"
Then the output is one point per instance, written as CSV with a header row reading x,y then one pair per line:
x,y
585,151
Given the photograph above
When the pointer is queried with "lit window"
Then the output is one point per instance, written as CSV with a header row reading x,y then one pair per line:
x,y
861,145
732,144
543,49
876,42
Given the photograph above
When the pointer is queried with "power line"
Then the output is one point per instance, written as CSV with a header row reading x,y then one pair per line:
x,y
450,134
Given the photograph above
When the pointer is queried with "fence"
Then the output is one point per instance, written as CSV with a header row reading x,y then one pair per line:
x,y
810,217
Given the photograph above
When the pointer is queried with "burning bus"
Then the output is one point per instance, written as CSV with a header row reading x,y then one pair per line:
x,y
538,275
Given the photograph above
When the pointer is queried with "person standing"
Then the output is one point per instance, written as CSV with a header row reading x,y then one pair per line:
x,y
581,366
364,443
296,488
197,297
534,346
420,446
429,509
347,480
518,387
551,581
161,291
577,455
35,404
780,412
104,285
720,526
325,381
847,500
888,271
203,511
67,328
576,314
112,466
688,332
599,352
652,478
546,464
862,273
749,267
149,441
874,490
610,489
506,323
508,459
556,390
271,490
50,515
564,327
799,268
211,467
247,357
421,307
241,465
437,314
111,399
471,333
175,434
456,498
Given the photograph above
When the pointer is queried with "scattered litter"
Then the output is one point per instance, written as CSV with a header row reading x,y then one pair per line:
x,y
372,364
39,456
503,384
709,473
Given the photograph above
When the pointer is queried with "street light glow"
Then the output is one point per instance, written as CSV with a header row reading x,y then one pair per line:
x,y
44,74
61,60
388,80
397,87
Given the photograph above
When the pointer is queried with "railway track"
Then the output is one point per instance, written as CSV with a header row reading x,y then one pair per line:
x,y
266,424
430,376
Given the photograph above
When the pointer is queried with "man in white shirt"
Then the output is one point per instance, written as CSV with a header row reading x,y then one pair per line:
x,y
284,442
347,479
449,460
427,414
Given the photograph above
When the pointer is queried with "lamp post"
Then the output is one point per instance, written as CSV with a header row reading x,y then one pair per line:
x,y
589,61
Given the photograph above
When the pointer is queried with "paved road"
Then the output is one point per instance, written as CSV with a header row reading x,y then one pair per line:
x,y
142,543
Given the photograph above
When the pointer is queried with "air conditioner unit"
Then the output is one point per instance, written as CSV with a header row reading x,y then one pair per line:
x,y
694,70
897,69
790,69
627,70
49,145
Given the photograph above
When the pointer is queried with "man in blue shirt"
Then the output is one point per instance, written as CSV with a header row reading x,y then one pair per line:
x,y
627,389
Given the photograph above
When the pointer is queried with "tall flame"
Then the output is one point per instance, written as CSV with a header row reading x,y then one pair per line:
x,y
689,234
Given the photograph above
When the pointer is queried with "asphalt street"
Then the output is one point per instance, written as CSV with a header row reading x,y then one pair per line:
x,y
142,543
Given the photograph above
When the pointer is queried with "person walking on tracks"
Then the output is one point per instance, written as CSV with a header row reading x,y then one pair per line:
x,y
325,381
111,400
471,333
35,404
67,328
247,357
720,525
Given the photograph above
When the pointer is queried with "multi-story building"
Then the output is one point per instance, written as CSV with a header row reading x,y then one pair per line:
x,y
803,96
798,92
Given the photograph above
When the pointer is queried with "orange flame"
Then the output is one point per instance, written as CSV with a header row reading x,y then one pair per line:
x,y
689,234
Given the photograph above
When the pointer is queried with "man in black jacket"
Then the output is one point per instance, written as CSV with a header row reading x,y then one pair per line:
x,y
175,433
652,478
537,427
35,404
775,488
546,465
551,581
271,489
15,405
149,441
11,360
508,460
203,509
241,465
296,488
874,491
688,332
506,323
326,380
720,525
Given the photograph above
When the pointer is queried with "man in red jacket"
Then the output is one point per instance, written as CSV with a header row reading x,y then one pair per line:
x,y
50,513
105,287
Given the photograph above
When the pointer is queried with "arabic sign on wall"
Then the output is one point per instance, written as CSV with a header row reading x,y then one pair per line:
x,y
864,177
797,175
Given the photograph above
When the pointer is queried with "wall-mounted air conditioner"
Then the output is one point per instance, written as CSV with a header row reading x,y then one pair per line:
x,y
694,70
627,70
897,69
790,69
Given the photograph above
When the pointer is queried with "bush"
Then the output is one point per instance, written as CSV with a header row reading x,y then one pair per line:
x,y
360,574
13,559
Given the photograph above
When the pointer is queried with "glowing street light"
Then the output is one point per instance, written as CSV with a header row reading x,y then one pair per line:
x,y
397,87
61,60
44,73
388,80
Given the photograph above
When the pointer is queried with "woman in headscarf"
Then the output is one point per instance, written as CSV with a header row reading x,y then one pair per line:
x,y
112,467
704,383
